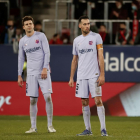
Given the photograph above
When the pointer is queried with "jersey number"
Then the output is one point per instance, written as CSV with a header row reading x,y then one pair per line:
x,y
77,87
26,88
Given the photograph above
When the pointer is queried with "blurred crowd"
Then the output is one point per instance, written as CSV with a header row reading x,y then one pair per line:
x,y
121,33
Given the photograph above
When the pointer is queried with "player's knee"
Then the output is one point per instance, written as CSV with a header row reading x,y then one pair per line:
x,y
85,102
33,101
47,98
98,102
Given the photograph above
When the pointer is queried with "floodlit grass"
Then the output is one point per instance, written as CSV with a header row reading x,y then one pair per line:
x,y
118,128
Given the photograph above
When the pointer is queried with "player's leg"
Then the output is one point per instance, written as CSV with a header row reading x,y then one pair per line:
x,y
33,112
46,88
49,111
32,91
86,113
96,93
82,91
101,114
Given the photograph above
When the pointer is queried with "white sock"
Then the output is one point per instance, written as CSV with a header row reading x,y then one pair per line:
x,y
33,111
86,117
101,115
49,108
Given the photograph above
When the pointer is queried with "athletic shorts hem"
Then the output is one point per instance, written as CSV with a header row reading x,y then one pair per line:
x,y
48,93
81,97
96,96
32,96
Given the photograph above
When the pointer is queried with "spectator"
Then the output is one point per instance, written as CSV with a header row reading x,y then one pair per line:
x,y
96,9
122,36
135,16
135,12
65,35
80,8
56,39
16,37
8,32
104,34
93,28
137,39
38,26
118,12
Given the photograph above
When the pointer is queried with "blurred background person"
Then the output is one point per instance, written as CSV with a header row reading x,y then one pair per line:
x,y
104,34
93,27
65,35
118,12
38,26
16,37
56,39
80,8
123,35
135,16
135,10
7,34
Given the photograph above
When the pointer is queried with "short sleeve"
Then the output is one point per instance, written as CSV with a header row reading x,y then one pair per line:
x,y
99,40
74,51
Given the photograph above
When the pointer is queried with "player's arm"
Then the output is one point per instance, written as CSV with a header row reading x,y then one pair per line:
x,y
46,49
73,69
21,58
101,79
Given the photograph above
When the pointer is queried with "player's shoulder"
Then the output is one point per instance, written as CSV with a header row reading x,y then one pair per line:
x,y
77,38
94,34
39,33
22,39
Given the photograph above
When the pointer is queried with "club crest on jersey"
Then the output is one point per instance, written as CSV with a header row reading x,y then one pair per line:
x,y
37,41
90,42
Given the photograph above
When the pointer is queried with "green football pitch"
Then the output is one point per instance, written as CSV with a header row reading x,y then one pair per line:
x,y
118,128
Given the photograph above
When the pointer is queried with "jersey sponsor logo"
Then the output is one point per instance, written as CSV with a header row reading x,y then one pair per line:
x,y
90,42
32,49
5,100
37,41
85,51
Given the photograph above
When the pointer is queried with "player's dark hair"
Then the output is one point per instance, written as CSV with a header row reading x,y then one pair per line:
x,y
26,18
83,17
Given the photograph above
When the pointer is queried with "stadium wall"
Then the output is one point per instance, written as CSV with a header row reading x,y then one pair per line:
x,y
121,92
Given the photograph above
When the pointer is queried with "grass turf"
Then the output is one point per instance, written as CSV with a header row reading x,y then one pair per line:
x,y
118,128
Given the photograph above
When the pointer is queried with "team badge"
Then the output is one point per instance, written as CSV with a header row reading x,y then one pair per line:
x,y
90,42
37,41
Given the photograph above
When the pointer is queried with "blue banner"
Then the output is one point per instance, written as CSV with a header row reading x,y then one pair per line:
x,y
122,64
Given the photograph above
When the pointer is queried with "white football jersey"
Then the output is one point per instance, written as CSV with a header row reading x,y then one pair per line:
x,y
86,49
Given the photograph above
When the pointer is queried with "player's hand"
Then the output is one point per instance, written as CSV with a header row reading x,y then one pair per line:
x,y
44,73
20,81
71,83
101,80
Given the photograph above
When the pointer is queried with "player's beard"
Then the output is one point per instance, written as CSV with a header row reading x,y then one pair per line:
x,y
30,31
86,32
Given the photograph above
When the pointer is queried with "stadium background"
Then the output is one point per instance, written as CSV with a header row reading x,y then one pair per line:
x,y
121,92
